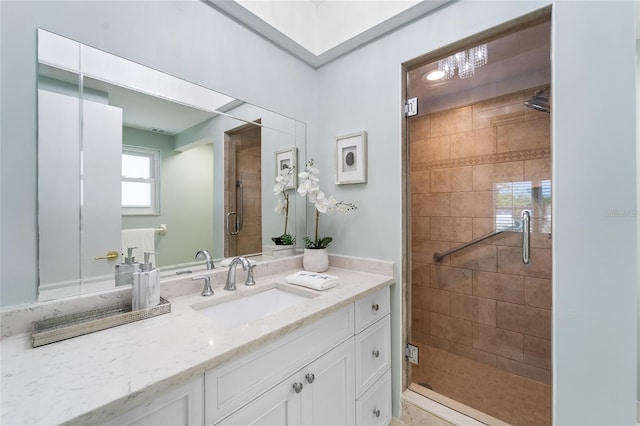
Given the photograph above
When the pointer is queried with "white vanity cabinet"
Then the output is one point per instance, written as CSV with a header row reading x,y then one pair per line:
x,y
182,405
240,381
321,393
336,371
331,371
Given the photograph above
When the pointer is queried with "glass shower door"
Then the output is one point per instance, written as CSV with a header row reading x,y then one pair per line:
x,y
481,191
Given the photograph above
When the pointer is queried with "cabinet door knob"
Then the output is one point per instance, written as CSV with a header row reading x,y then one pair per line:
x,y
375,353
310,378
376,412
297,387
375,307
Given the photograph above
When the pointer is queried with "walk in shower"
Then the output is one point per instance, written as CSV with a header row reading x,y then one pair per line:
x,y
480,227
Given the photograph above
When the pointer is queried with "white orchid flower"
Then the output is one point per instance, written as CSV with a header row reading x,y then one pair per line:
x,y
321,202
281,206
309,187
332,206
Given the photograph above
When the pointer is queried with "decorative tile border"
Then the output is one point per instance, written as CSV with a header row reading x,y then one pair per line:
x,y
503,157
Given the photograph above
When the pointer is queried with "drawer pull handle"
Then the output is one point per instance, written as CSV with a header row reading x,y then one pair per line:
x,y
376,412
375,307
376,353
310,378
297,387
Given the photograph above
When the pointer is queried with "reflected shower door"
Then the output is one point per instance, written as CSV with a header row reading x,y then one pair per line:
x,y
243,191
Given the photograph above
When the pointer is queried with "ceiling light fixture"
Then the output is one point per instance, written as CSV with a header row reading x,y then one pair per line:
x,y
466,61
435,75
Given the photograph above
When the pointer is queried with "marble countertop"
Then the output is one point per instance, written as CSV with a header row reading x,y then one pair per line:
x,y
92,378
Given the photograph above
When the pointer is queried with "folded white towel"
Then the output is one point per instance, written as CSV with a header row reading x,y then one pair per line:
x,y
313,280
226,262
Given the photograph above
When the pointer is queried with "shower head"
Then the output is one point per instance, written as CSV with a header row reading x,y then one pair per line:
x,y
540,100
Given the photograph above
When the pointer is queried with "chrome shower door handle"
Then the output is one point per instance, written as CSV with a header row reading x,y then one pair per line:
x,y
526,241
236,230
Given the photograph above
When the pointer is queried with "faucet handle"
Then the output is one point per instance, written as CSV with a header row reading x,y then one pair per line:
x,y
207,290
250,281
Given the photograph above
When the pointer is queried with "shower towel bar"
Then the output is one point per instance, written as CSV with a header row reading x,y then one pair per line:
x,y
437,256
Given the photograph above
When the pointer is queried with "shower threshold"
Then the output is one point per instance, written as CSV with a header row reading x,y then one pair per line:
x,y
456,406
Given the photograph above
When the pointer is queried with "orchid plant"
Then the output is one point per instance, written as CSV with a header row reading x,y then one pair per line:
x,y
282,207
310,188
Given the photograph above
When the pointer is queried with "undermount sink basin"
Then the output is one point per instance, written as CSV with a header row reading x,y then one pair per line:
x,y
251,307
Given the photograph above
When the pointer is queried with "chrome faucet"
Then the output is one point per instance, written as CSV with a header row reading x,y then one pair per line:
x,y
207,290
231,276
204,255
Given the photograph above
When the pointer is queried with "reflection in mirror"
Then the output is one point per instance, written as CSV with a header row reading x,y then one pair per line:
x,y
132,157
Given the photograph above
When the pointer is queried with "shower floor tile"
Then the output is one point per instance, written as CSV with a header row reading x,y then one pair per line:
x,y
513,399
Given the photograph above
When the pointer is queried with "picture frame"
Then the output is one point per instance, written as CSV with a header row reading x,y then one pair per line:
x,y
351,158
286,158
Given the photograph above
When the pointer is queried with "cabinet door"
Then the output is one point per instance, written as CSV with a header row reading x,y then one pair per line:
x,y
183,405
328,397
280,406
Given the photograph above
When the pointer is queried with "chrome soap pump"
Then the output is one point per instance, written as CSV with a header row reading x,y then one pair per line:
x,y
124,271
145,292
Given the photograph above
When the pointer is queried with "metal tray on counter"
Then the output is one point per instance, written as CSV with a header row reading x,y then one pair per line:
x,y
65,327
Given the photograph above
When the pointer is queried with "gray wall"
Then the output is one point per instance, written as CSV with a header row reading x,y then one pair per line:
x,y
185,38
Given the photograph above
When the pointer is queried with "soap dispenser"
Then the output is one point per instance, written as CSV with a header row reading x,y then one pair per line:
x,y
124,271
145,292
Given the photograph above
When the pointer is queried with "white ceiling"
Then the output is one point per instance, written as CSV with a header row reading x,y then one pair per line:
x,y
318,31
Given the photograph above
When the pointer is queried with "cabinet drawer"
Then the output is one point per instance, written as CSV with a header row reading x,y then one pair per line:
x,y
374,407
373,354
237,382
371,308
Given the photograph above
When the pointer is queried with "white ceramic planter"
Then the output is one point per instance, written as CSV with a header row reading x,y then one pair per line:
x,y
315,260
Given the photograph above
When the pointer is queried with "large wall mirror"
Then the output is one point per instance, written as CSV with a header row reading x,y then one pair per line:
x,y
132,157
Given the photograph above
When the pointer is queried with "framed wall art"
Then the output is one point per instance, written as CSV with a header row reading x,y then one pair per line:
x,y
351,158
287,159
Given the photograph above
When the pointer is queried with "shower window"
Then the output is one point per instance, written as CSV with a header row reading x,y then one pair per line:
x,y
512,198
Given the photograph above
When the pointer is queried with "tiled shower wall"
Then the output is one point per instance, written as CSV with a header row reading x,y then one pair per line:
x,y
482,302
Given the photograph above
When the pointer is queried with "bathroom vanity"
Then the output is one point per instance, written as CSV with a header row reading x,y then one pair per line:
x,y
325,360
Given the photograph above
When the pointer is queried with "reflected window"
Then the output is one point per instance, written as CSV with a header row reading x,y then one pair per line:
x,y
140,181
512,198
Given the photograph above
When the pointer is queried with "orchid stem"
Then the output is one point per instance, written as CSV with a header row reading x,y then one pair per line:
x,y
286,212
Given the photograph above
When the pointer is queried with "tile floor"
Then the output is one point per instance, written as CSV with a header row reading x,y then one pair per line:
x,y
513,399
